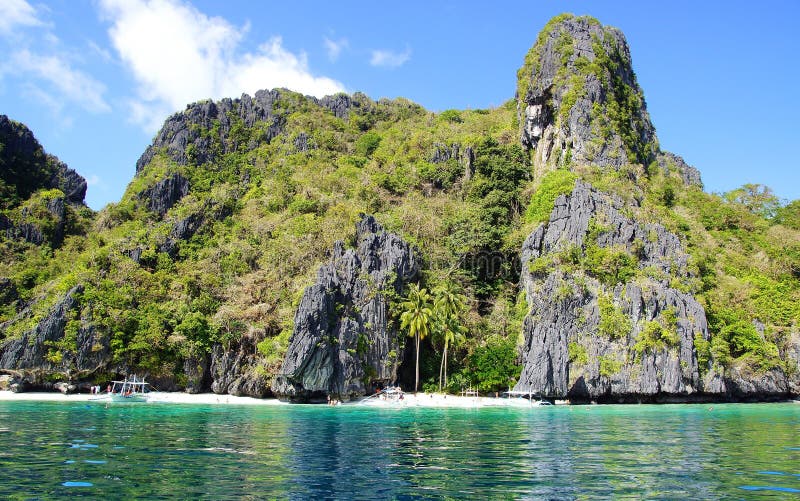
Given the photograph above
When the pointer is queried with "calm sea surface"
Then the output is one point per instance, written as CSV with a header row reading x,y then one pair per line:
x,y
60,450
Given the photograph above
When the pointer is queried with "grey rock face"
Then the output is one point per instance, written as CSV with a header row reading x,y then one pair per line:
x,y
342,342
162,196
562,101
564,354
29,352
202,132
339,104
70,182
570,223
24,163
302,143
186,128
742,384
30,229
233,369
25,169
27,356
669,162
466,157
792,356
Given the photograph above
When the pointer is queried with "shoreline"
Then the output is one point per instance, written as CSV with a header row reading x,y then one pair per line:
x,y
156,397
437,400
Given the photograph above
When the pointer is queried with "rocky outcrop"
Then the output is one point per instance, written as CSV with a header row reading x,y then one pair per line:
x,y
578,99
26,168
302,143
28,354
670,163
234,369
8,291
206,130
590,213
644,348
38,222
68,181
201,133
465,157
163,195
590,338
342,343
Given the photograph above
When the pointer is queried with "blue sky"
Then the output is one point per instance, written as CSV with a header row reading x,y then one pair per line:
x,y
95,79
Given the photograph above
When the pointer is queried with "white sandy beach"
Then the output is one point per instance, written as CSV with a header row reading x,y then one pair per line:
x,y
155,397
409,399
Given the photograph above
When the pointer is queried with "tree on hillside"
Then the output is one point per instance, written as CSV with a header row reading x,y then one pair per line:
x,y
417,317
758,199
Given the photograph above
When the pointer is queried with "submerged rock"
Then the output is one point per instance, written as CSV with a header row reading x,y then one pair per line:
x,y
342,342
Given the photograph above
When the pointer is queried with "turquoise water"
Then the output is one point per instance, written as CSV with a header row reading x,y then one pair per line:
x,y
52,450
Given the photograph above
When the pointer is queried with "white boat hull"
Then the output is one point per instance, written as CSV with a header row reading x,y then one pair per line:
x,y
129,398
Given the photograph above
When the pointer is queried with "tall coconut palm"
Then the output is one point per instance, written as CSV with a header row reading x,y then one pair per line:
x,y
452,333
448,307
417,317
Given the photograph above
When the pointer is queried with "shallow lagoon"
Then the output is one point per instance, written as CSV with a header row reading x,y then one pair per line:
x,y
86,449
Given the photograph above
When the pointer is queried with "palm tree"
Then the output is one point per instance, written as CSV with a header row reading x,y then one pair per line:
x,y
448,307
452,333
417,317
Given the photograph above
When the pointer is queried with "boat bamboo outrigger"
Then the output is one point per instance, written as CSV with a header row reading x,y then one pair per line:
x,y
389,395
131,389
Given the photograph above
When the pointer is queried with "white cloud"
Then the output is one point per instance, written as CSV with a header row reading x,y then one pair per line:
x,y
67,82
36,60
15,13
390,59
334,47
101,52
178,55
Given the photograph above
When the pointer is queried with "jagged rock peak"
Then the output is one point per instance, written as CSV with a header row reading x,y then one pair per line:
x,y
342,342
578,99
202,132
26,168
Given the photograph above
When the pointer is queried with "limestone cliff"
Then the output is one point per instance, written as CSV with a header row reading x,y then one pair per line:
x,y
39,193
591,335
611,312
608,333
579,102
342,342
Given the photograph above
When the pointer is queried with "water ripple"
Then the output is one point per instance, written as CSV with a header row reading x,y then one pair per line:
x,y
306,452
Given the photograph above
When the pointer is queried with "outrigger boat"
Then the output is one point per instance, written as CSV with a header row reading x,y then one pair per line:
x,y
389,395
130,390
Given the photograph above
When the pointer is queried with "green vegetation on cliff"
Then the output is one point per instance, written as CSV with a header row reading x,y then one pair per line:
x,y
215,243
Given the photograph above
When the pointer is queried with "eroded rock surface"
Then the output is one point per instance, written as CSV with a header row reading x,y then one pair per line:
x,y
579,101
564,353
342,342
